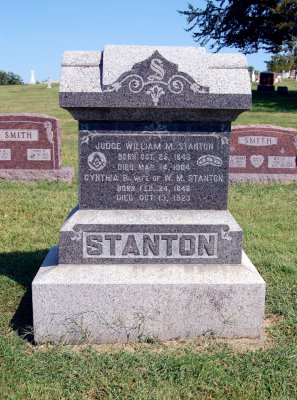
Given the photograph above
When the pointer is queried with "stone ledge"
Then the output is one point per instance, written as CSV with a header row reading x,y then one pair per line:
x,y
93,99
262,178
151,217
65,174
263,127
116,303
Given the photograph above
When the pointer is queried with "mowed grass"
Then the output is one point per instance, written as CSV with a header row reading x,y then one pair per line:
x,y
273,109
207,368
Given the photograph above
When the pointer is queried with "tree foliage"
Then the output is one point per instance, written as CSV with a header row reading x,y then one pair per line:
x,y
10,78
244,24
282,62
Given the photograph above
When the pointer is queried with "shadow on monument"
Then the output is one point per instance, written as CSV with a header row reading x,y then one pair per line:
x,y
22,268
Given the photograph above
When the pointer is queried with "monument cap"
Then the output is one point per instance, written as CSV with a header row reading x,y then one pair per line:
x,y
152,79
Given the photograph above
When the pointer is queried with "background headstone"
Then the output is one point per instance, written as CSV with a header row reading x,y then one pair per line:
x,y
263,153
32,79
266,82
30,148
282,90
49,83
286,75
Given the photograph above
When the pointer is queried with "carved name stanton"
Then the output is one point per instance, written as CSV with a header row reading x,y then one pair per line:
x,y
152,245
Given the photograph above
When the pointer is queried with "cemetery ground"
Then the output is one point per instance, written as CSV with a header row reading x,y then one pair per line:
x,y
31,215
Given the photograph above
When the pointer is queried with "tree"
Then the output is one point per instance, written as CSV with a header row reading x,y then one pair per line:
x,y
282,62
245,24
10,78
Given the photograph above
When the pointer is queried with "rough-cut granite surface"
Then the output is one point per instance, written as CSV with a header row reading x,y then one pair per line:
x,y
65,174
116,303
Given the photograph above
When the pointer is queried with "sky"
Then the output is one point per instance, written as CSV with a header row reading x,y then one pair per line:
x,y
35,33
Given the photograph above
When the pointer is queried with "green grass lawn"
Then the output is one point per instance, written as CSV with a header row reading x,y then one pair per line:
x,y
206,368
273,109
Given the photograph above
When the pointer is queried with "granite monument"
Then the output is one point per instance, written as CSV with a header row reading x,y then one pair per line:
x,y
151,250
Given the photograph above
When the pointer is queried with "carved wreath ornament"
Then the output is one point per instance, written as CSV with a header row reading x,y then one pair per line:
x,y
156,77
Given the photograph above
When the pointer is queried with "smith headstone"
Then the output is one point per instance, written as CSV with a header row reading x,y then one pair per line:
x,y
152,240
263,153
30,148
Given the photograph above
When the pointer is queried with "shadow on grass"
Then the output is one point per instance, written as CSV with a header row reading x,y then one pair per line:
x,y
273,102
22,268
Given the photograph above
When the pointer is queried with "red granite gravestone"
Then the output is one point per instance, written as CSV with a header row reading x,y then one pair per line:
x,y
30,148
263,153
266,82
266,78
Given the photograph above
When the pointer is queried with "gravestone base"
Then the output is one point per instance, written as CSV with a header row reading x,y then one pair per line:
x,y
265,88
261,178
120,303
65,174
282,90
